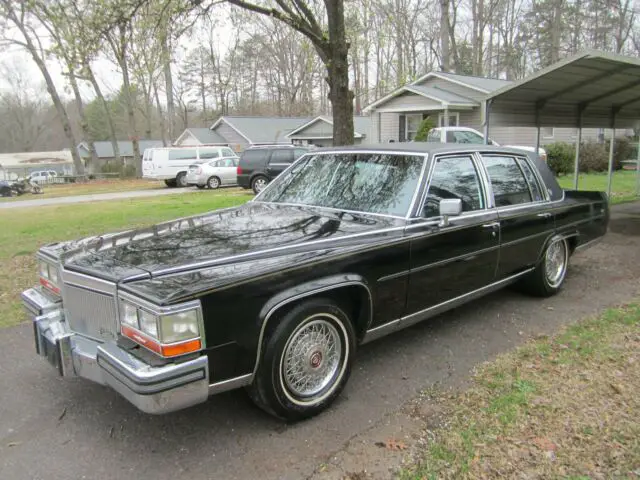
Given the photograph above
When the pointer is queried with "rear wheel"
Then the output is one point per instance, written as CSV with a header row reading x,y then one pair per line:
x,y
213,183
548,277
181,180
306,362
258,183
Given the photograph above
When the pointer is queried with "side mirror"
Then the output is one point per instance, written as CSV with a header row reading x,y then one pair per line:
x,y
449,207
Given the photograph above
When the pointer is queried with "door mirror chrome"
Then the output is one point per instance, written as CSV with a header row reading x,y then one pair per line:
x,y
449,207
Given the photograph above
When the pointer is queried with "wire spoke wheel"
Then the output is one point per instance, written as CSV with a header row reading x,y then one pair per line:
x,y
313,359
555,263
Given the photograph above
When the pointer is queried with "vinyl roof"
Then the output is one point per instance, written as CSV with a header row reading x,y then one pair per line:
x,y
600,84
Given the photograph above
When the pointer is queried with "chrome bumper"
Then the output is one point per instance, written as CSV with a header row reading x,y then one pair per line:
x,y
152,389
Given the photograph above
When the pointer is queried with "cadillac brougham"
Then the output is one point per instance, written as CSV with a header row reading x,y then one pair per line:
x,y
345,246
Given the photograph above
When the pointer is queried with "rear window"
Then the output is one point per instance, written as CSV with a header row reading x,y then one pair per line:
x,y
255,156
227,152
507,181
282,156
186,154
434,136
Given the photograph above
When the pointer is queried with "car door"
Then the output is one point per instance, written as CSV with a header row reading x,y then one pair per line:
x,y
451,261
523,211
280,159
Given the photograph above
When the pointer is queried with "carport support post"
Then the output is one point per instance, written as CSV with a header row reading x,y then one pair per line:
x,y
638,168
610,171
576,168
487,111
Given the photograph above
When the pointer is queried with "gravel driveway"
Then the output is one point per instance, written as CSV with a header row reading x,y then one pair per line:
x,y
58,428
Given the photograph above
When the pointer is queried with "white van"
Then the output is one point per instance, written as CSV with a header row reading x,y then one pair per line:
x,y
171,164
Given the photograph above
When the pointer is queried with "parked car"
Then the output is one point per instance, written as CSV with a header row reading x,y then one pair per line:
x,y
45,176
171,164
469,135
213,174
348,245
259,165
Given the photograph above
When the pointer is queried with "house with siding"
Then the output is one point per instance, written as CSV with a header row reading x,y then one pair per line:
x,y
454,100
241,132
105,153
319,131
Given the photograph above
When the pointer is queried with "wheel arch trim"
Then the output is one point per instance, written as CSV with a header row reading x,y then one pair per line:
x,y
305,290
556,236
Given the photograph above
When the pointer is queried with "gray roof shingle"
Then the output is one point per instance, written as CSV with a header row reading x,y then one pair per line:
x,y
441,94
488,84
206,135
266,129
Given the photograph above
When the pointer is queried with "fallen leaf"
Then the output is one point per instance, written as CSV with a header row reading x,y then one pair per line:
x,y
392,444
13,444
544,444
64,412
616,388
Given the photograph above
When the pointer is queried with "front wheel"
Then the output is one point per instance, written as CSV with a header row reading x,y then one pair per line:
x,y
548,277
307,361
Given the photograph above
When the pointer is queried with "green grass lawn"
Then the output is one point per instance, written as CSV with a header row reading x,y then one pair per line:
x,y
623,188
25,230
564,407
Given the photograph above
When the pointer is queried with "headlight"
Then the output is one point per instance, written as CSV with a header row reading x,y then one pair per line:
x,y
49,277
168,331
180,326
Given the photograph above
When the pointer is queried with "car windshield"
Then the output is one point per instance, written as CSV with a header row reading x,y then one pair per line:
x,y
363,182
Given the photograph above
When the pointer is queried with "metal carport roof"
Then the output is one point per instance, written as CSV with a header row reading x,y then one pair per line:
x,y
591,89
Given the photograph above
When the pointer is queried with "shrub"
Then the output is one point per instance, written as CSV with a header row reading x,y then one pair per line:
x,y
594,157
423,131
126,171
560,157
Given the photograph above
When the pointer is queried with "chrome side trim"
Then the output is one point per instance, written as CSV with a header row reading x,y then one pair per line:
x,y
394,275
230,384
429,312
225,260
588,244
454,259
298,297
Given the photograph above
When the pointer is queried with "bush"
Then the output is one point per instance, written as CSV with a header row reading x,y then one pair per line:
x,y
423,131
128,171
560,157
594,157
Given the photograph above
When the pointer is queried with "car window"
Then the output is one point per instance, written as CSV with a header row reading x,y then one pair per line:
x,y
453,177
298,152
186,154
507,181
227,152
206,153
254,156
236,161
281,156
434,136
534,186
462,136
228,162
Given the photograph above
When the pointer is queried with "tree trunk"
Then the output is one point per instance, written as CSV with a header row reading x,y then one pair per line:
x,y
163,134
112,128
51,88
84,124
337,64
445,63
168,81
137,160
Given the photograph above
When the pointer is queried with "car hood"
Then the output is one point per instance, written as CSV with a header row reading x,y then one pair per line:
x,y
253,231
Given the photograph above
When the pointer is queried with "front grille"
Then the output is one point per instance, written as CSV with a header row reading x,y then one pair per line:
x,y
90,313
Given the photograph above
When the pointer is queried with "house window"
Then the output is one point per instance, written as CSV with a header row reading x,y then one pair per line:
x,y
454,119
547,132
413,122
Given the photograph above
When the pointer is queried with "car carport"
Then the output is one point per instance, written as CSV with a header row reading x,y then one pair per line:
x,y
589,90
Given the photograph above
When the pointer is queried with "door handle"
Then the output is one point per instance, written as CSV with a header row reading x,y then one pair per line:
x,y
544,215
493,225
